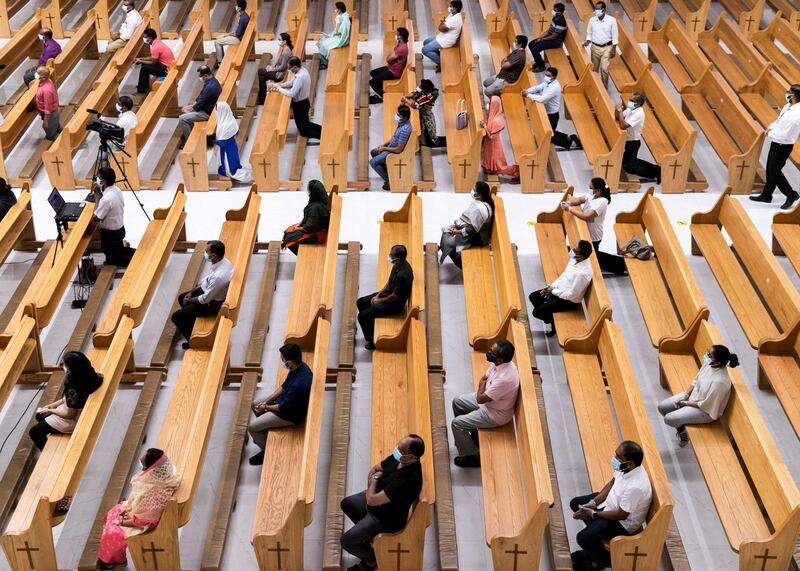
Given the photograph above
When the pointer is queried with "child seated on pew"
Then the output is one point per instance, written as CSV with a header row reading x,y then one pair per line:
x,y
313,228
473,227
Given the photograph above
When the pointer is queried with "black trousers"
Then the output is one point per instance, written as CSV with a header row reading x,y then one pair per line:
x,y
597,531
634,165
185,317
776,159
377,77
358,539
368,313
263,77
116,253
40,431
538,47
145,71
559,139
305,127
545,308
609,262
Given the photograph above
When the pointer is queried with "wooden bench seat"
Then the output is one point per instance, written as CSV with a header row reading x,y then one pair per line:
x,y
741,465
20,353
668,294
684,66
694,14
17,224
556,232
540,13
403,227
789,11
778,370
643,16
786,62
459,59
732,53
571,58
631,63
23,44
60,467
464,145
294,15
786,236
764,99
748,13
592,113
342,62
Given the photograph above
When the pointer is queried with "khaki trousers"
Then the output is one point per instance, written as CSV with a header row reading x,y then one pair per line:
x,y
600,58
114,45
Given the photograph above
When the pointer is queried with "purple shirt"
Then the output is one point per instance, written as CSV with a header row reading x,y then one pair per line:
x,y
51,49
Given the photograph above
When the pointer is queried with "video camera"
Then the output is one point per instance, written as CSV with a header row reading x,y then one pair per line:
x,y
107,131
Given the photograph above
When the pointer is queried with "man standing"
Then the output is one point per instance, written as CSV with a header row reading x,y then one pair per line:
x,y
393,146
391,300
50,49
631,119
132,21
783,132
510,68
205,298
237,35
109,212
47,103
156,64
449,32
299,88
127,118
603,34
490,406
553,38
395,64
548,93
202,107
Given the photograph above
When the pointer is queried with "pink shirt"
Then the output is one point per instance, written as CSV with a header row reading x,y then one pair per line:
x,y
502,386
46,97
161,52
401,51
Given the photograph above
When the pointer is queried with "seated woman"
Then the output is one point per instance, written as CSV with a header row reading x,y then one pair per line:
x,y
473,227
493,157
151,489
227,128
706,398
340,36
275,72
423,98
313,229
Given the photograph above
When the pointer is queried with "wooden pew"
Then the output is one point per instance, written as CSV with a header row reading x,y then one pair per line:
x,y
631,63
732,53
23,44
571,58
193,159
28,540
555,231
786,236
643,16
20,352
102,9
272,124
595,364
686,69
592,115
294,15
539,12
789,10
786,62
460,58
495,13
747,13
339,113
754,475
403,227
694,14
464,145
665,280
17,224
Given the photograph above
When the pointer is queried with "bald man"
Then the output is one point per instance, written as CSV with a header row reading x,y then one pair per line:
x,y
47,103
50,49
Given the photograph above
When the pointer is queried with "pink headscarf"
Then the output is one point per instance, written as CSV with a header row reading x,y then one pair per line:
x,y
495,122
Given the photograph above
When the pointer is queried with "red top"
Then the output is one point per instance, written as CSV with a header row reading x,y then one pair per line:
x,y
401,52
46,97
161,52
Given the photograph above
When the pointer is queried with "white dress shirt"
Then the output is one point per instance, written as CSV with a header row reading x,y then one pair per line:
x,y
632,493
599,205
298,88
785,129
127,120
449,38
132,19
547,93
573,282
635,120
110,209
603,31
215,283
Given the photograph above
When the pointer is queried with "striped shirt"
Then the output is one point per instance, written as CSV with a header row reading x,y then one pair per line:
x,y
401,135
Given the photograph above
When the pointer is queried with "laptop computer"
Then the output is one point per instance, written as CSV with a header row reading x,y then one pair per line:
x,y
64,210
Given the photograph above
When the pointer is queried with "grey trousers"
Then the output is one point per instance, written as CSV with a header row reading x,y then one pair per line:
x,y
493,86
358,539
187,120
52,126
222,41
261,425
677,417
469,417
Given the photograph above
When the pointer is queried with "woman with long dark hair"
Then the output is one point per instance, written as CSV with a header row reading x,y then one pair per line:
x,y
276,71
472,228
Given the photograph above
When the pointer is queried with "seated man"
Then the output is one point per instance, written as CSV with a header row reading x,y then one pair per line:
x,y
286,406
391,300
511,67
393,486
127,118
205,298
132,21
492,405
156,64
567,291
202,107
395,64
393,146
449,31
619,509
551,39
50,50
242,21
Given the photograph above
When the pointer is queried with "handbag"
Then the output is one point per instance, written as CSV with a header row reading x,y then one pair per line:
x,y
462,117
636,248
87,271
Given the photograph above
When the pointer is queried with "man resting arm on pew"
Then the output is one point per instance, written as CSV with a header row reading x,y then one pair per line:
x,y
299,88
393,146
548,93
631,120
50,50
511,68
449,32
620,508
156,64
202,107
393,486
132,21
205,298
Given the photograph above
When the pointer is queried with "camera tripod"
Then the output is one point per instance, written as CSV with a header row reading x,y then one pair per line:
x,y
104,151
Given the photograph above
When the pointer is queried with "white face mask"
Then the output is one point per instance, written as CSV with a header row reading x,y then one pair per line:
x,y
41,37
788,97
473,194
147,41
554,13
66,369
631,105
548,79
514,47
118,107
390,259
397,118
599,13
572,254
451,10
285,364
36,76
397,39
126,8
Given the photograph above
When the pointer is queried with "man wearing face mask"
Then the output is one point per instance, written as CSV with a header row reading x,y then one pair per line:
x,y
47,104
553,38
631,120
391,300
567,290
395,64
393,485
287,406
548,93
395,145
110,214
299,88
783,132
132,21
156,64
490,406
207,296
603,34
50,50
511,67
127,118
236,37
202,107
620,508
449,31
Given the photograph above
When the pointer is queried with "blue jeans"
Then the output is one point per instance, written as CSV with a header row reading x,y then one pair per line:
x,y
378,163
430,49
538,47
228,154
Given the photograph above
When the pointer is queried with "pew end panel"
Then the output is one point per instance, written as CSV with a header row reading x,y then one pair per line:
x,y
786,236
464,145
16,227
19,353
766,41
406,545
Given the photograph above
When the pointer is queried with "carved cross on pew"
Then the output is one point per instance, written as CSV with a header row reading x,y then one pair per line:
x,y
98,18
643,21
193,163
532,165
400,165
264,164
58,162
516,552
296,21
741,168
153,551
636,555
605,168
542,21
278,550
464,164
49,18
695,21
749,23
28,549
797,22
333,164
675,166
123,163
764,558
399,552
496,21
393,23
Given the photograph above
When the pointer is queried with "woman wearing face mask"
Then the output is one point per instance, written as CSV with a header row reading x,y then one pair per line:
x,y
395,65
287,406
277,71
423,98
151,489
493,157
473,227
313,229
707,396
340,36
227,128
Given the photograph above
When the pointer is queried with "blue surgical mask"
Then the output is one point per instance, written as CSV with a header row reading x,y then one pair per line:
x,y
616,465
788,97
548,79
36,76
397,455
572,254
706,359
599,13
631,105
285,364
397,118
206,257
514,47
118,107
491,357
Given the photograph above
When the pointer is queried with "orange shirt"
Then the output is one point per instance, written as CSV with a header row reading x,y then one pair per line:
x,y
46,97
161,53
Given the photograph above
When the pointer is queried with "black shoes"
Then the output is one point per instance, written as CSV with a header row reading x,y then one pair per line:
x,y
185,345
760,198
789,202
473,461
576,141
257,459
538,68
369,346
375,99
